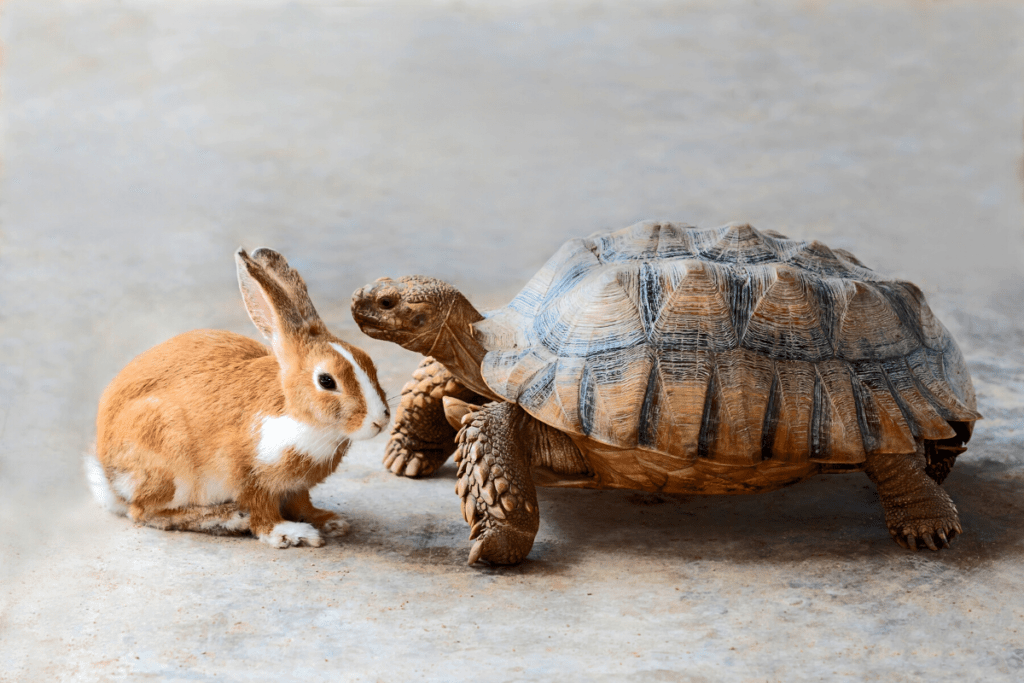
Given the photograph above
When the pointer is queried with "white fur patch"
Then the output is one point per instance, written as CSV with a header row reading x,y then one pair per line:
x,y
182,494
317,371
376,410
124,484
278,434
214,491
100,487
287,534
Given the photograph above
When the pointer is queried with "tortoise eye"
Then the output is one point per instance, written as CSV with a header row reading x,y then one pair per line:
x,y
387,302
326,381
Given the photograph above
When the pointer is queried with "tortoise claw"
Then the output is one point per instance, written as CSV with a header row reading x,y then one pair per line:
x,y
474,554
925,537
413,467
500,545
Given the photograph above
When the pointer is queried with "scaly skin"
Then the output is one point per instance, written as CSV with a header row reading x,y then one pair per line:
x,y
499,500
916,509
421,439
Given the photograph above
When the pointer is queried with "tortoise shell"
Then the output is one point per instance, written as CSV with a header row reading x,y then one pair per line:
x,y
728,344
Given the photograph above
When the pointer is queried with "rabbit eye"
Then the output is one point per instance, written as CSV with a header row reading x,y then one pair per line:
x,y
326,381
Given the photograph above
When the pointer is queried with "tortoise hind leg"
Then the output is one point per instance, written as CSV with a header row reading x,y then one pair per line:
x,y
917,510
421,440
499,500
941,460
942,454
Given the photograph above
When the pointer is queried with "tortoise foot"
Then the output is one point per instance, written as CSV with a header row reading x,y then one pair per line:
x,y
408,462
501,545
918,513
498,498
933,533
421,438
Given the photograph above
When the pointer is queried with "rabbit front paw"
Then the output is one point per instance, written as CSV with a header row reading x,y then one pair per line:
x,y
288,534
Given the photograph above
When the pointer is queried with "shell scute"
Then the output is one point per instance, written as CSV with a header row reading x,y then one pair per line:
x,y
596,316
694,315
817,258
740,243
786,322
836,435
927,368
890,428
613,385
923,415
680,394
507,373
743,287
872,329
572,261
743,381
788,427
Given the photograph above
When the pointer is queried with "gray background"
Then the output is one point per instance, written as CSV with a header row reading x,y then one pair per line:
x,y
145,140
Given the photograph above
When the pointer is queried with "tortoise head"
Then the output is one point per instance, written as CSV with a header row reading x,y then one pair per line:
x,y
412,312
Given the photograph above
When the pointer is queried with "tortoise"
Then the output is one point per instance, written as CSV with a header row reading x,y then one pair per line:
x,y
668,358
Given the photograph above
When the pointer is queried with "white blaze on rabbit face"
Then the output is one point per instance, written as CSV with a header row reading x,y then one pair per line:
x,y
351,406
376,415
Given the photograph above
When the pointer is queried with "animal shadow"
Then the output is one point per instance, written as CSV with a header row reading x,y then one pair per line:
x,y
831,515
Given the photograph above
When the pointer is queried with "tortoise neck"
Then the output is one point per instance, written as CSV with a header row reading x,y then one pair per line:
x,y
456,347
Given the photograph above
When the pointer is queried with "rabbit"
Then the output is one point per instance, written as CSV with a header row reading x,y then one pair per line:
x,y
212,431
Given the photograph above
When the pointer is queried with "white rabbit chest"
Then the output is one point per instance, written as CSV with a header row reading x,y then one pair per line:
x,y
278,435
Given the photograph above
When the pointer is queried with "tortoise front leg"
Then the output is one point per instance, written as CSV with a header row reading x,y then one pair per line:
x,y
421,438
917,510
499,500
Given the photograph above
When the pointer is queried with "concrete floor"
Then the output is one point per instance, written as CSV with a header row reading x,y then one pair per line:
x,y
144,140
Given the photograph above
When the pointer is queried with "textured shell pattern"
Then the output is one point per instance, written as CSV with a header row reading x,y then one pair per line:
x,y
728,344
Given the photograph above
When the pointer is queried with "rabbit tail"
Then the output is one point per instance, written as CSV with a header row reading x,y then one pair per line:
x,y
100,486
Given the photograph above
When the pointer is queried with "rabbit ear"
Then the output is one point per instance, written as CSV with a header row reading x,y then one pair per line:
x,y
267,301
290,281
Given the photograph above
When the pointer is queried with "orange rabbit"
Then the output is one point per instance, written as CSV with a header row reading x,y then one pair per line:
x,y
212,431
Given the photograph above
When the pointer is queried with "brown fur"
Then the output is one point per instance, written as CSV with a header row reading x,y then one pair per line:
x,y
188,415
